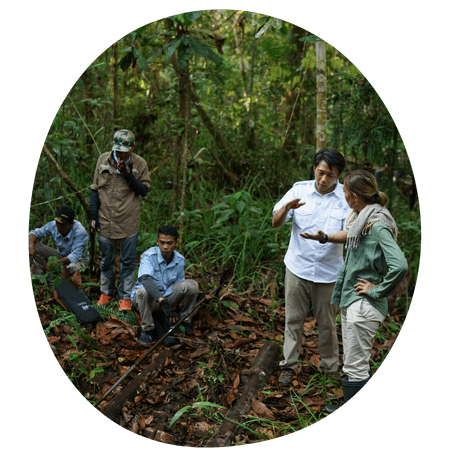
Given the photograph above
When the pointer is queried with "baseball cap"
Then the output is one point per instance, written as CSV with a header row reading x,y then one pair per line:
x,y
123,141
65,214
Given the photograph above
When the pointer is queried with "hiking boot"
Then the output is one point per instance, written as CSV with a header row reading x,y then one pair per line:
x,y
146,337
286,377
124,305
105,300
334,376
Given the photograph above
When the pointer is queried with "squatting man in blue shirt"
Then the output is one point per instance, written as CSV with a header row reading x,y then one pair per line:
x,y
71,240
161,285
312,266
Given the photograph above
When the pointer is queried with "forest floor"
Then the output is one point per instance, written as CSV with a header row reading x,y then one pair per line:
x,y
206,368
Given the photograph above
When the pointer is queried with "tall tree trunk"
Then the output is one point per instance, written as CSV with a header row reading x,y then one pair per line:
x,y
187,121
321,80
183,92
115,71
293,102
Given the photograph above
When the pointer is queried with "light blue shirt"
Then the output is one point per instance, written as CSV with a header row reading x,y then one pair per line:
x,y
74,245
306,258
165,274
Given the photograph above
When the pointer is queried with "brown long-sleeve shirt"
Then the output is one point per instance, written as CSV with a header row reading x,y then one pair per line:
x,y
119,212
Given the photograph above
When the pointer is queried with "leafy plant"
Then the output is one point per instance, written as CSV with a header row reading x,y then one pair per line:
x,y
80,363
205,406
53,276
126,316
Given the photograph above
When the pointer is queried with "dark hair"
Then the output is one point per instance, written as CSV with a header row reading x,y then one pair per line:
x,y
331,157
168,230
364,185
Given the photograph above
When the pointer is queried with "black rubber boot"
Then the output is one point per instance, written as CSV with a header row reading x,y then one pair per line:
x,y
351,388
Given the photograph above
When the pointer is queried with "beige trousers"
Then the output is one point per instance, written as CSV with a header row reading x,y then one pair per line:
x,y
359,323
300,294
184,292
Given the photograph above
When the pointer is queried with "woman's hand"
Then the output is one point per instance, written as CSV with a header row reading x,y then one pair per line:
x,y
364,286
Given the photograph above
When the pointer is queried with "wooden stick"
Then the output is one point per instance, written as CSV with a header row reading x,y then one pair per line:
x,y
260,371
194,310
125,375
112,409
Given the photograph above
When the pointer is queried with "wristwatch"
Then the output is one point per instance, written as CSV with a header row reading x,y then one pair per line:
x,y
324,240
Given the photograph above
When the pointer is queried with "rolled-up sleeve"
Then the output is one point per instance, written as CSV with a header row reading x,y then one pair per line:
x,y
146,268
78,249
42,232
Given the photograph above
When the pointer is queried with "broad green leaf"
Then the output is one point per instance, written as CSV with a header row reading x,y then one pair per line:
x,y
203,50
125,62
173,46
193,16
263,29
203,404
240,206
178,414
143,64
153,57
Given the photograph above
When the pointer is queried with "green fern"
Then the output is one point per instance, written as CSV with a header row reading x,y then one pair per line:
x,y
121,315
65,317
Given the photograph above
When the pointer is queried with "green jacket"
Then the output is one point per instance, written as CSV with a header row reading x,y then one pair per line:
x,y
377,259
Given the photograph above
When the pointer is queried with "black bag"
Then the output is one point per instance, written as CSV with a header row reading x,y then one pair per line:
x,y
77,303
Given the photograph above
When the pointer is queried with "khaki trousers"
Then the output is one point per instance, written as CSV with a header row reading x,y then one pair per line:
x,y
184,292
359,324
300,294
44,252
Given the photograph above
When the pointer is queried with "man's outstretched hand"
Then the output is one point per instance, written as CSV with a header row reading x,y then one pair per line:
x,y
319,236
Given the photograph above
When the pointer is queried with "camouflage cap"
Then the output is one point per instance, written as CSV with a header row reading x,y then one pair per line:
x,y
123,141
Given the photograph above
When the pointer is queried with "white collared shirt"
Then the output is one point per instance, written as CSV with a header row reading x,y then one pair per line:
x,y
306,258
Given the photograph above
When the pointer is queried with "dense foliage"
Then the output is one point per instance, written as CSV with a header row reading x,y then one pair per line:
x,y
223,105
249,124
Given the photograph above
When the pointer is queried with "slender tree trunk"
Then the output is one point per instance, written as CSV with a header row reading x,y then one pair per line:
x,y
115,71
321,61
187,109
293,103
183,92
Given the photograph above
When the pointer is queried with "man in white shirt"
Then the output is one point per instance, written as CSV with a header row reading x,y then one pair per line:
x,y
312,266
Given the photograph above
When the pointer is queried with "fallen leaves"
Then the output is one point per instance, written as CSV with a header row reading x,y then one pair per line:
x,y
225,347
261,409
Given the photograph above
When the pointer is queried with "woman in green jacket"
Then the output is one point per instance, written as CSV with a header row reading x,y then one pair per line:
x,y
373,267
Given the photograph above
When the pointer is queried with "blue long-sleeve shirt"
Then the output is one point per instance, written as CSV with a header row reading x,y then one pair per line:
x,y
165,274
74,244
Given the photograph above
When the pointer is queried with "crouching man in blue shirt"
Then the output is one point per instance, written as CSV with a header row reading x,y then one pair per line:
x,y
71,240
161,284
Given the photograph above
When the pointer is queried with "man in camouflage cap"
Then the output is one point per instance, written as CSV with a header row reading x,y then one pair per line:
x,y
120,178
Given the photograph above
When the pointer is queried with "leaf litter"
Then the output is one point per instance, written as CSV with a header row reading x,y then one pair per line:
x,y
208,367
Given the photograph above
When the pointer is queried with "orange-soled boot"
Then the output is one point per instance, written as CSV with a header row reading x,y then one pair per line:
x,y
105,300
124,305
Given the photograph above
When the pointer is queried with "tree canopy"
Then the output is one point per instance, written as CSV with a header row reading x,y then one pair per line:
x,y
223,104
